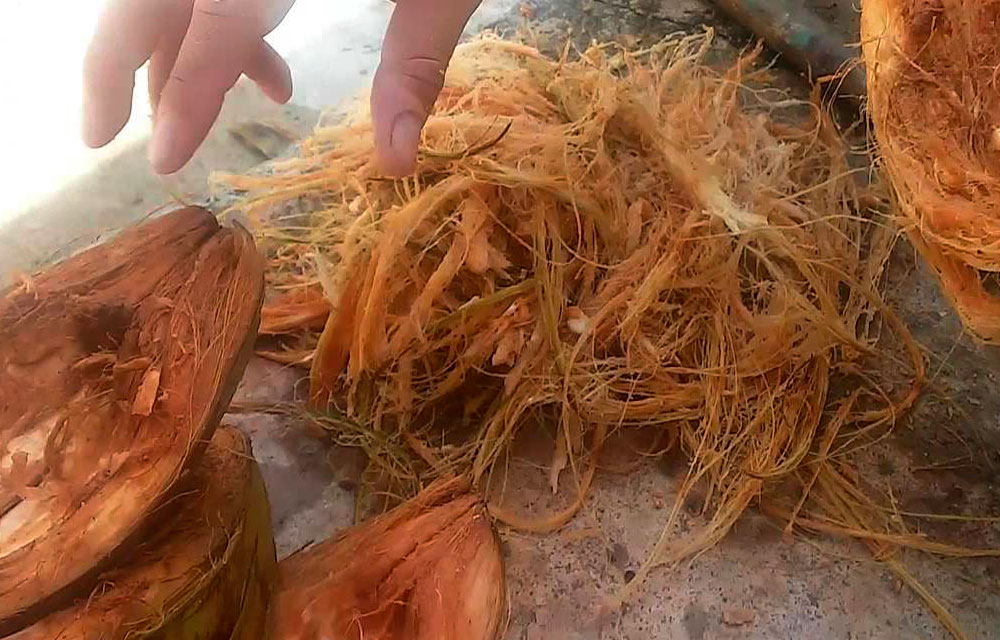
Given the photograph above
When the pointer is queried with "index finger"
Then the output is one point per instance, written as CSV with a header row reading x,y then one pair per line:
x,y
421,37
220,40
126,34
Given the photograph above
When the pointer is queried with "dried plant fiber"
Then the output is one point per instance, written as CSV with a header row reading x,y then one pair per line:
x,y
934,98
117,366
622,242
206,573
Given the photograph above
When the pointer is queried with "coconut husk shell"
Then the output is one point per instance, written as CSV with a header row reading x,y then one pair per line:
x,y
208,573
934,99
117,366
430,569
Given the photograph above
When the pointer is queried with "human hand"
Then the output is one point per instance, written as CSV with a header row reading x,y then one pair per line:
x,y
197,50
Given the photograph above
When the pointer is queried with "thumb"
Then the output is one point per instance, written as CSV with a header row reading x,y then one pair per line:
x,y
421,37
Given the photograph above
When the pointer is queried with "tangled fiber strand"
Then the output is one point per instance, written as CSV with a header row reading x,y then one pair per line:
x,y
625,240
934,95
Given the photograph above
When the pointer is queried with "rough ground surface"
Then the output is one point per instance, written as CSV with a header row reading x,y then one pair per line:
x,y
944,458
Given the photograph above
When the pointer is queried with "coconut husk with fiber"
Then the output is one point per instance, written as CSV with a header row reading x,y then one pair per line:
x,y
630,240
428,570
117,365
207,572
934,98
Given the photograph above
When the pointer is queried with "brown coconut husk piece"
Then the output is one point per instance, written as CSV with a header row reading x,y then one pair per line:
x,y
934,98
206,573
117,366
430,569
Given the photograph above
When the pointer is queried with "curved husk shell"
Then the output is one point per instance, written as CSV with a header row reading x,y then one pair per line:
x,y
117,365
207,574
933,98
428,570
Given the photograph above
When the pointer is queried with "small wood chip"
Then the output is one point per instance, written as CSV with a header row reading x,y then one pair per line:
x,y
577,321
95,360
135,364
738,617
145,398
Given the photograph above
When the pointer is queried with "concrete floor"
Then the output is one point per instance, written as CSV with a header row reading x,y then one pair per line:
x,y
558,584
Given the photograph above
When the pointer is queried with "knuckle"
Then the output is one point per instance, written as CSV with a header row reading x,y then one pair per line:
x,y
201,86
422,76
229,9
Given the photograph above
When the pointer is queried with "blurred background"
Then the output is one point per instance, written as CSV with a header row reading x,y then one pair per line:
x,y
332,47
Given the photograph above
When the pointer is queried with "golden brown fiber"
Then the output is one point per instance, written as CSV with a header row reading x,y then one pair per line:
x,y
934,97
626,240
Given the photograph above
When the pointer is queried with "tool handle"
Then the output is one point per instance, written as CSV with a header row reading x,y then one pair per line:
x,y
802,37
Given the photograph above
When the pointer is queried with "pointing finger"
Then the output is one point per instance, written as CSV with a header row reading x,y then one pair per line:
x,y
221,39
271,73
165,54
161,63
421,38
127,33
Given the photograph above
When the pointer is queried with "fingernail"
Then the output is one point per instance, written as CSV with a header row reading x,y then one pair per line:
x,y
94,129
399,157
162,145
90,133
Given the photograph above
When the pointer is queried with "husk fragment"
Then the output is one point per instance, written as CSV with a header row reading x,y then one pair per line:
x,y
933,98
428,570
117,366
207,573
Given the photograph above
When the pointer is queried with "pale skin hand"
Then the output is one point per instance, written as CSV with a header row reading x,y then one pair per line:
x,y
198,49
